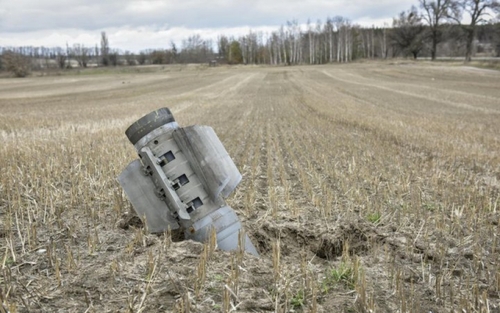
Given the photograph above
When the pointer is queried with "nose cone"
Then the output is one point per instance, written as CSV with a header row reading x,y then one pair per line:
x,y
148,123
227,227
230,243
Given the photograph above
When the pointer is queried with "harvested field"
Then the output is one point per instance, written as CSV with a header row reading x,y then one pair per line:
x,y
366,188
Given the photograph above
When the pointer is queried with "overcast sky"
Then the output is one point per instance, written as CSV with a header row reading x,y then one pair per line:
x,y
139,24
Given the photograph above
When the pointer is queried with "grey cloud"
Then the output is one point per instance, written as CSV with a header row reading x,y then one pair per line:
x,y
33,15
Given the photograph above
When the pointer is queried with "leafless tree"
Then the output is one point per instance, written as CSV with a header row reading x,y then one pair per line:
x,y
339,22
477,10
310,37
142,58
434,13
113,58
235,54
293,32
81,54
174,52
61,60
96,54
329,32
318,51
105,58
196,50
407,33
496,37
16,63
223,47
130,58
158,56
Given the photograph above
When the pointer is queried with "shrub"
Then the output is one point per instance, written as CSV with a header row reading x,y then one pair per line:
x,y
16,63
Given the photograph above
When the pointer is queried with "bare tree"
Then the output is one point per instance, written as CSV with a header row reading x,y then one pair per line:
x,y
496,38
223,47
310,36
329,30
158,56
142,58
113,58
348,41
434,13
235,53
283,43
317,43
339,22
105,60
294,35
196,50
384,47
61,60
244,49
16,63
69,56
81,54
477,10
407,33
130,58
174,52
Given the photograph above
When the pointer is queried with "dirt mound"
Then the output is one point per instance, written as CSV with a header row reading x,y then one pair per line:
x,y
325,242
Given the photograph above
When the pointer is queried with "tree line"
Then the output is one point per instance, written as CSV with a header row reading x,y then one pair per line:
x,y
432,29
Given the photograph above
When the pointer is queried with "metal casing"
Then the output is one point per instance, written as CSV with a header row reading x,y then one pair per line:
x,y
181,179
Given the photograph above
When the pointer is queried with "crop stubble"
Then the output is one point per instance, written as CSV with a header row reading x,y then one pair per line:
x,y
365,187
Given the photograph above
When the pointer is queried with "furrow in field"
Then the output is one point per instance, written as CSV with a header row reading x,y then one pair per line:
x,y
299,188
229,109
287,192
482,93
424,97
404,125
364,181
435,79
344,151
215,100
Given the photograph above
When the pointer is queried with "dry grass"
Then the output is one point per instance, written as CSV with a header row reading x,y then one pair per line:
x,y
367,188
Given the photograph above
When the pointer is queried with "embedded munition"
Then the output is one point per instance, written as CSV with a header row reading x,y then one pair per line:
x,y
181,179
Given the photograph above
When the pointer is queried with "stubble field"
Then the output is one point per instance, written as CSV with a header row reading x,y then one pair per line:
x,y
366,188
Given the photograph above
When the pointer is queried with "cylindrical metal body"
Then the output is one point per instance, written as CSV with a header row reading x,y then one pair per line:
x,y
172,161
